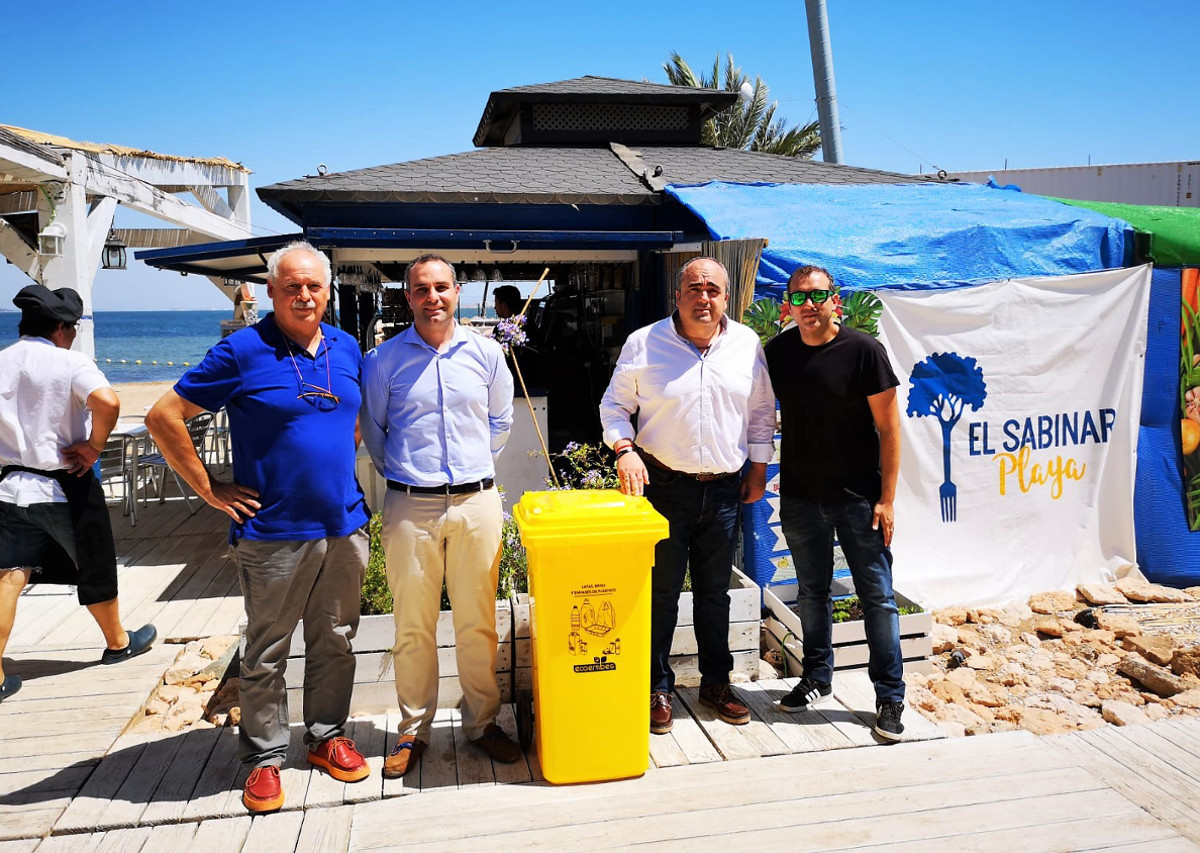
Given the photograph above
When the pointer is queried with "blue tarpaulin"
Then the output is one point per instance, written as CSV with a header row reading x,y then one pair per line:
x,y
921,236
907,235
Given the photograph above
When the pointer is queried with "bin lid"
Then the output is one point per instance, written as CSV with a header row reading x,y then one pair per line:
x,y
584,513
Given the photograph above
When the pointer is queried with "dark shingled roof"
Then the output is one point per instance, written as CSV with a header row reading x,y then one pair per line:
x,y
695,165
502,104
497,175
607,86
536,175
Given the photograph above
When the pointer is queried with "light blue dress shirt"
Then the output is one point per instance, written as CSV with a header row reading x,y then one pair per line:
x,y
431,418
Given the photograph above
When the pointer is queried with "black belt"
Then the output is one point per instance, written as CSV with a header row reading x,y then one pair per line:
x,y
444,489
699,478
705,478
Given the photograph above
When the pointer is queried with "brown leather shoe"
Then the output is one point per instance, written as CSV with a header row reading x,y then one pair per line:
x,y
262,792
338,757
661,719
721,699
498,745
403,757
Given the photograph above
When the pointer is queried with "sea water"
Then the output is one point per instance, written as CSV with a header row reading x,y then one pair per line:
x,y
175,340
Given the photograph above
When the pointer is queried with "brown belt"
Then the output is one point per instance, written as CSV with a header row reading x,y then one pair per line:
x,y
699,478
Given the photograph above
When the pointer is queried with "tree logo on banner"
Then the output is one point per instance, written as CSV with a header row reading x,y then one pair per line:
x,y
942,386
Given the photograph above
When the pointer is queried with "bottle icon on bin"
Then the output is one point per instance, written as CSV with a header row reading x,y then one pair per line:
x,y
575,643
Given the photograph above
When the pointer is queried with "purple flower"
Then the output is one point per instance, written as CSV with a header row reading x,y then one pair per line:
x,y
510,333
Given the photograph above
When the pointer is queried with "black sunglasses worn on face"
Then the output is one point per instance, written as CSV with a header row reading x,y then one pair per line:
x,y
797,297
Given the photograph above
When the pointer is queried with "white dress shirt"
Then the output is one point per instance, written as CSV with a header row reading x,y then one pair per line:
x,y
430,418
697,413
43,397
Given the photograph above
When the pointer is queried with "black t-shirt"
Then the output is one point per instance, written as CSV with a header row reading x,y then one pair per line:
x,y
830,449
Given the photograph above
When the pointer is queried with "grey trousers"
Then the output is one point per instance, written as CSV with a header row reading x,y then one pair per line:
x,y
319,581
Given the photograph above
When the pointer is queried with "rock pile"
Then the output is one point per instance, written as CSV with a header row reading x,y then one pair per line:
x,y
1123,653
193,693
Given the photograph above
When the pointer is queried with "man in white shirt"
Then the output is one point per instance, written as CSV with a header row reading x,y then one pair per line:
x,y
56,411
698,386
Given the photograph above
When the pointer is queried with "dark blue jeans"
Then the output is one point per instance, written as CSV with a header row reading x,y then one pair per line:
x,y
809,527
703,519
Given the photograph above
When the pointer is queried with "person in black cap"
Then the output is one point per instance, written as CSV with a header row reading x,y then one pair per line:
x,y
54,524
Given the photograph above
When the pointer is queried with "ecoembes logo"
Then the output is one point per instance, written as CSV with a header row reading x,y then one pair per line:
x,y
946,385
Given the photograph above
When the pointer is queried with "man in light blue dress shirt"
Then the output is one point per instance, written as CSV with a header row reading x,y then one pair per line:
x,y
437,410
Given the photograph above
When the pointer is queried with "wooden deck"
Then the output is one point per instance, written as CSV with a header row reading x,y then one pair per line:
x,y
70,779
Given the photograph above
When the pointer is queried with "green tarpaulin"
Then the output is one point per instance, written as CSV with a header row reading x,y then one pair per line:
x,y
1174,231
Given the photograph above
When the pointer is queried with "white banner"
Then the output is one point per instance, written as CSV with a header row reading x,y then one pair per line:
x,y
1019,407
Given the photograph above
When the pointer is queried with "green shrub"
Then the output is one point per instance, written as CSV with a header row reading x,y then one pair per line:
x,y
586,466
376,595
514,568
849,609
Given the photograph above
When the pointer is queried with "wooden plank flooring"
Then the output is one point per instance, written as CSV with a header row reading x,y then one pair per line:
x,y
54,733
1092,790
70,780
1157,767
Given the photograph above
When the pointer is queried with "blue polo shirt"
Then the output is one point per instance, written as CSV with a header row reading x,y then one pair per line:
x,y
298,453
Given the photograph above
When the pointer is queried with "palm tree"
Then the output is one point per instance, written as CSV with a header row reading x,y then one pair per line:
x,y
751,124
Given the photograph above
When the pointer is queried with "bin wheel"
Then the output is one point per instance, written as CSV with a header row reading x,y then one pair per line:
x,y
525,718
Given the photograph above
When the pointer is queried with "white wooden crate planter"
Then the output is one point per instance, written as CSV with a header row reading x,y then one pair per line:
x,y
781,629
374,678
744,610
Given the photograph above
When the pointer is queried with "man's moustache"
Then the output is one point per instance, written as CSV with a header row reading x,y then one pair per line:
x,y
309,304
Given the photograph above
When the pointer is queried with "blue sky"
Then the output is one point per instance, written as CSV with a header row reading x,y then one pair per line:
x,y
283,87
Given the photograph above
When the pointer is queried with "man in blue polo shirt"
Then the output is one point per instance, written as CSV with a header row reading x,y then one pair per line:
x,y
290,384
438,407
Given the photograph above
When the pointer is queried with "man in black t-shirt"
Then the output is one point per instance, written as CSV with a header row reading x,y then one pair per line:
x,y
840,460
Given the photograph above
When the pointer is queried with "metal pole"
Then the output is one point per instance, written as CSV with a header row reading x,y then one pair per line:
x,y
822,65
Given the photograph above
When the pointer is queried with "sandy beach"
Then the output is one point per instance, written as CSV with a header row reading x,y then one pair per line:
x,y
137,397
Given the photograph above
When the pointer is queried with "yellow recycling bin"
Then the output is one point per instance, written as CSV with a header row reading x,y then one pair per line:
x,y
590,555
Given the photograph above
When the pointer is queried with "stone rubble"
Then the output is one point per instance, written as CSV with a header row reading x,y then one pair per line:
x,y
1143,591
1035,667
1027,666
192,694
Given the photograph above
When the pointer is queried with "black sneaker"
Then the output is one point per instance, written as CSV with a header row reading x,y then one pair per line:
x,y
140,642
887,720
804,695
10,685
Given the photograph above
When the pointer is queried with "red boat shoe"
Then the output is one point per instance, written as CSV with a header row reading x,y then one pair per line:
x,y
338,757
262,792
661,718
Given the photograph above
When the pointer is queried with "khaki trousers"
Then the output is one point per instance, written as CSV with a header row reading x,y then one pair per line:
x,y
428,539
